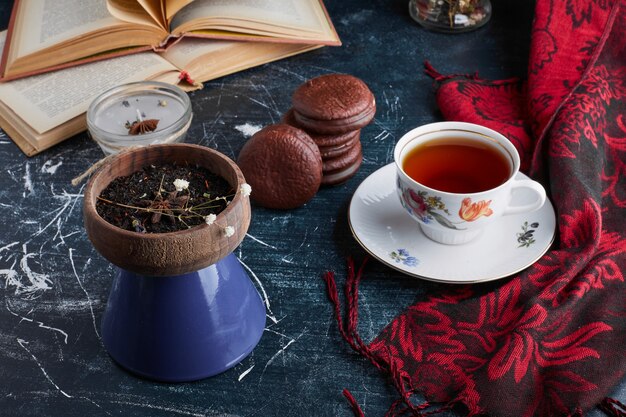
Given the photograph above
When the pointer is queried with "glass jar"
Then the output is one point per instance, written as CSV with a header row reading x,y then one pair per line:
x,y
112,117
450,16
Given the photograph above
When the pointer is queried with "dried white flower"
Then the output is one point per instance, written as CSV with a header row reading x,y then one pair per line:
x,y
229,231
246,190
210,219
181,184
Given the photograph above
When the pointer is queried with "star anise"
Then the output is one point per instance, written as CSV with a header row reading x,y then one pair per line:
x,y
160,206
145,126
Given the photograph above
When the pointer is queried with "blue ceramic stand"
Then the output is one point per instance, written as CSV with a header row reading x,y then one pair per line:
x,y
186,327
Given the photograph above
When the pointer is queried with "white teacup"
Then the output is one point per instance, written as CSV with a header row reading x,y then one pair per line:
x,y
462,212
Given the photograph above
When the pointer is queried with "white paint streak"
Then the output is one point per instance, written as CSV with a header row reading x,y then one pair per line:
x,y
10,276
5,247
244,373
23,344
248,129
62,237
75,197
59,233
274,323
206,128
96,404
71,305
160,408
59,213
266,299
294,74
282,350
93,316
262,104
267,329
37,282
48,168
385,134
70,200
273,358
258,241
288,258
269,95
39,323
28,183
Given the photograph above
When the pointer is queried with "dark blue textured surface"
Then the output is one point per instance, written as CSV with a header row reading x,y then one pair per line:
x,y
186,327
54,285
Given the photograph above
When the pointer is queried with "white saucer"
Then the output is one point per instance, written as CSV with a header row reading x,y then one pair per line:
x,y
385,230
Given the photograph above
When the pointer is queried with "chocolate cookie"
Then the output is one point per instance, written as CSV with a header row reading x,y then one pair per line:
x,y
320,139
283,165
336,151
343,175
333,104
343,161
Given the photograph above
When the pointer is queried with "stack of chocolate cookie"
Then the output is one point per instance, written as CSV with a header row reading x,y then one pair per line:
x,y
333,109
318,142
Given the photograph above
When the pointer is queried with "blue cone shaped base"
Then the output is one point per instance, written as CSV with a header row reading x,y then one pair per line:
x,y
185,327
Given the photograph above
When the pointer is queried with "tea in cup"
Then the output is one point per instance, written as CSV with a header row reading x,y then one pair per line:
x,y
457,178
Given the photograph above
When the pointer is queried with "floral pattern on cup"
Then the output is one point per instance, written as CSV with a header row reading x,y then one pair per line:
x,y
472,211
403,256
526,237
426,207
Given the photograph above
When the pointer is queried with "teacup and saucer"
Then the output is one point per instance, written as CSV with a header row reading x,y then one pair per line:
x,y
453,207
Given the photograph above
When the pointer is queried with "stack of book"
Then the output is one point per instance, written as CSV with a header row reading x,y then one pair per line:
x,y
58,55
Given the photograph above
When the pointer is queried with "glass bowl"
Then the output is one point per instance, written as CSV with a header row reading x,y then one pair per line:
x,y
113,116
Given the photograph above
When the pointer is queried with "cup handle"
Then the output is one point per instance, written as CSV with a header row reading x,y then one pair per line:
x,y
534,186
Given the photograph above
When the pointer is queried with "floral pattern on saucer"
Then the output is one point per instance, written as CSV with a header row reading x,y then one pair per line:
x,y
402,256
526,237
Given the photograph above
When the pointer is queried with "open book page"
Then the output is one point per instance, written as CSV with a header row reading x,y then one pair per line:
x,y
184,52
304,18
52,33
43,23
209,59
173,6
32,142
29,141
142,12
49,100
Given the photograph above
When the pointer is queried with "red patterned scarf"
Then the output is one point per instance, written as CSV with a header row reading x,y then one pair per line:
x,y
550,341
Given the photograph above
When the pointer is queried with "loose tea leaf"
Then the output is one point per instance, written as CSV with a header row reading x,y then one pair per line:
x,y
147,201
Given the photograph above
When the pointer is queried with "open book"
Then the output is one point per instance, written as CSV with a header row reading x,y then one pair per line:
x,y
42,110
52,34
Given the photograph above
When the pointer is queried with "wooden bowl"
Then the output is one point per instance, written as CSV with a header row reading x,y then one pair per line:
x,y
173,253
